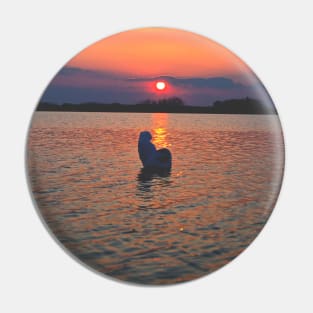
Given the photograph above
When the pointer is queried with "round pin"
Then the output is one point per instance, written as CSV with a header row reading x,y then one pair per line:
x,y
155,156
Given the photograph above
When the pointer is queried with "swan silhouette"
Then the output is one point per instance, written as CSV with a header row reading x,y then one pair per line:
x,y
150,157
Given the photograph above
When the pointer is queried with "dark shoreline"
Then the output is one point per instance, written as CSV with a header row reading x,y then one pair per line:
x,y
233,106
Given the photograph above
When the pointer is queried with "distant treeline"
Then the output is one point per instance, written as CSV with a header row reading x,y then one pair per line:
x,y
169,105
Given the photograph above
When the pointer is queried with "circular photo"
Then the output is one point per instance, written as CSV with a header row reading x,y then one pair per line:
x,y
155,156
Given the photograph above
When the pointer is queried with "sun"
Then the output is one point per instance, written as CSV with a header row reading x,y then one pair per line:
x,y
160,85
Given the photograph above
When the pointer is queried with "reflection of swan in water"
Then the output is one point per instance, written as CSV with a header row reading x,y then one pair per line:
x,y
149,180
146,175
151,158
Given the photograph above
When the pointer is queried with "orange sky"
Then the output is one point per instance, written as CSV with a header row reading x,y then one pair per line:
x,y
159,51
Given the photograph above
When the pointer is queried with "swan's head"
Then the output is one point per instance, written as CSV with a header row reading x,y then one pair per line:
x,y
145,136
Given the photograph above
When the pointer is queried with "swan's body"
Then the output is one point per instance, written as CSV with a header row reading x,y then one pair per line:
x,y
150,156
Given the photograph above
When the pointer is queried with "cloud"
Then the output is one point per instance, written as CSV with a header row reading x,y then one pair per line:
x,y
70,75
76,71
196,82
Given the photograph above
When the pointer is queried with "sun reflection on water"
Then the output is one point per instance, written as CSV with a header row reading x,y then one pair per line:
x,y
160,131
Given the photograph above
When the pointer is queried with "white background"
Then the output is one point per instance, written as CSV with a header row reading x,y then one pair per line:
x,y
275,273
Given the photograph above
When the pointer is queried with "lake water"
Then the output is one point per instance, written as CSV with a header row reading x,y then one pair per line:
x,y
86,178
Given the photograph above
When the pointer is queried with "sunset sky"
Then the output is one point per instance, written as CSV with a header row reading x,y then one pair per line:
x,y
126,67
